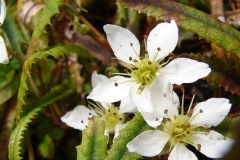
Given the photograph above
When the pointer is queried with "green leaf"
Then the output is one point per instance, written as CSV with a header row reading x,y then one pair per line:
x,y
94,143
48,11
56,52
226,127
119,150
46,147
14,147
8,91
192,20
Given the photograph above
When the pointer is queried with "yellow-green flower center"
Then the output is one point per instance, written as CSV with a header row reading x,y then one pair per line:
x,y
145,71
179,129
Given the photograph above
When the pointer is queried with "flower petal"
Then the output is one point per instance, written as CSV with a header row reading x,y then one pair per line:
x,y
152,119
180,152
109,92
120,40
163,97
3,54
78,117
118,128
97,79
2,12
149,143
213,145
127,106
213,110
141,100
184,70
164,36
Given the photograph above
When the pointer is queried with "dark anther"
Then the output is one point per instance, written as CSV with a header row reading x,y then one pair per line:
x,y
149,62
131,44
114,113
158,48
130,58
116,84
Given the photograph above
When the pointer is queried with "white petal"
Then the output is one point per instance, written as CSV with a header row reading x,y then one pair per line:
x,y
78,117
109,92
2,12
120,40
97,79
106,132
163,97
149,143
213,145
184,70
214,111
3,52
180,152
152,119
164,36
118,128
141,100
127,106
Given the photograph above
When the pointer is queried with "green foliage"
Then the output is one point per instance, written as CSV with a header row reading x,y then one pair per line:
x,y
49,10
192,20
56,52
46,147
118,149
13,33
227,126
94,143
14,146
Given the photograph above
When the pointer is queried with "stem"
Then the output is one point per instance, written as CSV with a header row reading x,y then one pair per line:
x,y
34,87
15,56
95,31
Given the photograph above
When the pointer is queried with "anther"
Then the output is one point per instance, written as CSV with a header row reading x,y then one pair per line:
x,y
109,110
116,84
110,73
164,95
199,147
135,60
158,48
175,117
200,111
141,58
85,126
112,58
120,119
134,68
90,113
143,84
126,70
149,62
88,118
173,133
157,67
131,44
130,58
169,120
165,111
171,56
81,121
180,141
179,108
157,119
114,113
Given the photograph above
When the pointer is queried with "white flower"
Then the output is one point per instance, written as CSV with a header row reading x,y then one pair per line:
x,y
2,11
113,117
177,130
3,52
141,71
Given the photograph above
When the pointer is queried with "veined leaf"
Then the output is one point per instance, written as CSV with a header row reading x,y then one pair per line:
x,y
56,52
192,20
119,150
94,142
14,147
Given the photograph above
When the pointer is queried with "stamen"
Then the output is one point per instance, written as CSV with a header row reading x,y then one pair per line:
x,y
131,44
116,84
190,104
200,111
130,58
159,49
149,62
135,60
182,104
120,119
